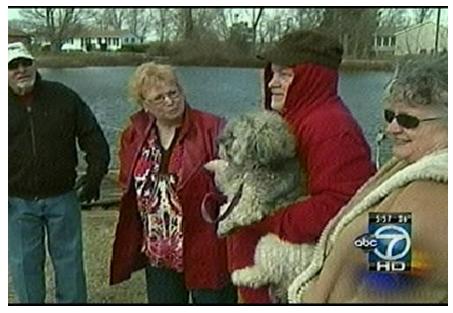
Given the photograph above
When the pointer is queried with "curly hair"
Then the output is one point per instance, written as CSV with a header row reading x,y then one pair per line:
x,y
150,74
421,81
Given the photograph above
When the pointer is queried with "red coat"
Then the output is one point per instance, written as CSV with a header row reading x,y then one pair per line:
x,y
335,157
204,255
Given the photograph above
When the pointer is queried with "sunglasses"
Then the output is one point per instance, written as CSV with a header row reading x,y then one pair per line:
x,y
14,64
405,120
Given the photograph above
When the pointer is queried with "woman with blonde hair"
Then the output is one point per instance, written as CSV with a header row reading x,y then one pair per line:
x,y
160,227
414,181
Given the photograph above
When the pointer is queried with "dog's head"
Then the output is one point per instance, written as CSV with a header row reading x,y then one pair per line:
x,y
256,139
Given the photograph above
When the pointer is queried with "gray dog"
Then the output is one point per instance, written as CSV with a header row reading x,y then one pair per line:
x,y
259,173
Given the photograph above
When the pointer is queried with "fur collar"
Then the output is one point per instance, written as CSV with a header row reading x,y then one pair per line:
x,y
433,167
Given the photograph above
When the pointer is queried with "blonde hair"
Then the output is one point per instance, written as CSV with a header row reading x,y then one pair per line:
x,y
150,74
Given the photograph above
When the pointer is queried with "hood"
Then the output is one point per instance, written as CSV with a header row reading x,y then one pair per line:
x,y
312,86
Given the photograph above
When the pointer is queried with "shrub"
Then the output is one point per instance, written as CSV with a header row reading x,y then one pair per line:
x,y
140,48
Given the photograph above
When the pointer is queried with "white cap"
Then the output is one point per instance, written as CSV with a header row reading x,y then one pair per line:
x,y
17,50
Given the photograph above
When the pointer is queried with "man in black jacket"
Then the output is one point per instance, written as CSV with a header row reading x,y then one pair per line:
x,y
45,119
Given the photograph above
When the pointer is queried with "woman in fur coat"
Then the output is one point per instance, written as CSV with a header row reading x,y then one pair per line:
x,y
415,181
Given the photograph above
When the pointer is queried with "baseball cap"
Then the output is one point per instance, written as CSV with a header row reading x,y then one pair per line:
x,y
18,50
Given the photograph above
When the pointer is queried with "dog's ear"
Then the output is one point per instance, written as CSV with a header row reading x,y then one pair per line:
x,y
241,149
274,141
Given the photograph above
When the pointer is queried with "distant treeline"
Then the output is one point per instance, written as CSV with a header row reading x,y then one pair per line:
x,y
181,53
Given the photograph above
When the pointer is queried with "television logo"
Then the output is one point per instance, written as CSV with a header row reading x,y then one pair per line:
x,y
388,242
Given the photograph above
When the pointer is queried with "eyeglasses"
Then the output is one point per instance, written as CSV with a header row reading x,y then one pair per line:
x,y
14,64
406,120
160,99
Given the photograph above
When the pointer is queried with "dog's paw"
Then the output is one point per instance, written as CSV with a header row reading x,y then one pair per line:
x,y
251,276
216,166
247,219
225,228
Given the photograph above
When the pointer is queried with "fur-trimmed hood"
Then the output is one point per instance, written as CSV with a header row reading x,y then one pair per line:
x,y
394,175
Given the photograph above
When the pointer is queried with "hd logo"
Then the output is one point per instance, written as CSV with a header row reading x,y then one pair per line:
x,y
388,242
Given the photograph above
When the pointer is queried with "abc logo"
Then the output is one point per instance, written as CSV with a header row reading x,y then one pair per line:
x,y
394,242
366,242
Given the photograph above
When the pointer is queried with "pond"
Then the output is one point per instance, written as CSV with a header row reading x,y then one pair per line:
x,y
224,91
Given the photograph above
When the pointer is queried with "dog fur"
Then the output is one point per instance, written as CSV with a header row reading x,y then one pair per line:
x,y
258,151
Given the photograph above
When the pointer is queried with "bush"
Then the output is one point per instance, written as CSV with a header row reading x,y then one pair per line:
x,y
210,53
140,48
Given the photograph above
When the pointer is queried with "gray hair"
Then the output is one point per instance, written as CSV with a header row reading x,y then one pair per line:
x,y
420,82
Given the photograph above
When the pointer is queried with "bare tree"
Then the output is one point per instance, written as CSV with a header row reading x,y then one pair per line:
x,y
422,14
139,22
116,18
220,22
164,23
308,18
354,28
210,23
188,22
393,17
54,24
257,14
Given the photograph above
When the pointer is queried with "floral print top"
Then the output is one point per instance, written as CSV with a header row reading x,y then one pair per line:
x,y
158,205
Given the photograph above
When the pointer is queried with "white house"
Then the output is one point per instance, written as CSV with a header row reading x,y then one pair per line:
x,y
416,39
421,39
384,41
102,40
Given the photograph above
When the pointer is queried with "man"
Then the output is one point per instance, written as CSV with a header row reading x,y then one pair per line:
x,y
331,147
45,119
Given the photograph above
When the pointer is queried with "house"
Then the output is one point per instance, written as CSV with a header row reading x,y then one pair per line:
x,y
384,41
15,35
421,39
416,39
102,40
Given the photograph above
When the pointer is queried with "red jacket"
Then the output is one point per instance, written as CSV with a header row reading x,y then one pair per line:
x,y
335,157
205,259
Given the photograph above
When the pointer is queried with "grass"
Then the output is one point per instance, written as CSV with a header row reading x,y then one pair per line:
x,y
98,233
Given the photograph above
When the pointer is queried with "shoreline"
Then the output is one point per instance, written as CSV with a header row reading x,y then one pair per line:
x,y
80,60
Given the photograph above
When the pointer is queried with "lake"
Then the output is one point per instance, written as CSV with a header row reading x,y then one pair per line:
x,y
228,92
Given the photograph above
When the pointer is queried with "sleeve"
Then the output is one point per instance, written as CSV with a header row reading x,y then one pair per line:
x,y
92,141
427,281
336,167
124,162
219,130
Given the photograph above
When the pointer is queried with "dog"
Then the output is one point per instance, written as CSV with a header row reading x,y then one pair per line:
x,y
258,171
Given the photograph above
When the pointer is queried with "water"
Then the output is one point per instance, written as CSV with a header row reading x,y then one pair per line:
x,y
227,92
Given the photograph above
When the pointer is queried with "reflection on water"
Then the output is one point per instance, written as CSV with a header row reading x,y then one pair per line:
x,y
224,91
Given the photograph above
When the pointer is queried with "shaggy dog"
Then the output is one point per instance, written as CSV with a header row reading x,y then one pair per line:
x,y
259,173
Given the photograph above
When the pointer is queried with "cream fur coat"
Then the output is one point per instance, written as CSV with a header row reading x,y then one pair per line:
x,y
338,270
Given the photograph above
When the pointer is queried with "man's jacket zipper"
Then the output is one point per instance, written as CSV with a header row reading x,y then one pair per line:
x,y
32,131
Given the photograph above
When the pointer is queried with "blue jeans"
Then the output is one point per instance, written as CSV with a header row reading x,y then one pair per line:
x,y
165,286
29,221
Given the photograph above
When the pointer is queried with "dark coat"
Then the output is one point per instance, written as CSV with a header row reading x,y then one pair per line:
x,y
42,149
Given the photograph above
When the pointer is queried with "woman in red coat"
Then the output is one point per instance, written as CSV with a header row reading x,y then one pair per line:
x,y
160,227
331,147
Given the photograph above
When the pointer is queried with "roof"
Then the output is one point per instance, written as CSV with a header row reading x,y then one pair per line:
x,y
387,30
17,33
417,26
103,33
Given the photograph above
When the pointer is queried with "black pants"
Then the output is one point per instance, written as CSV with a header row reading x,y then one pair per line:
x,y
165,286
